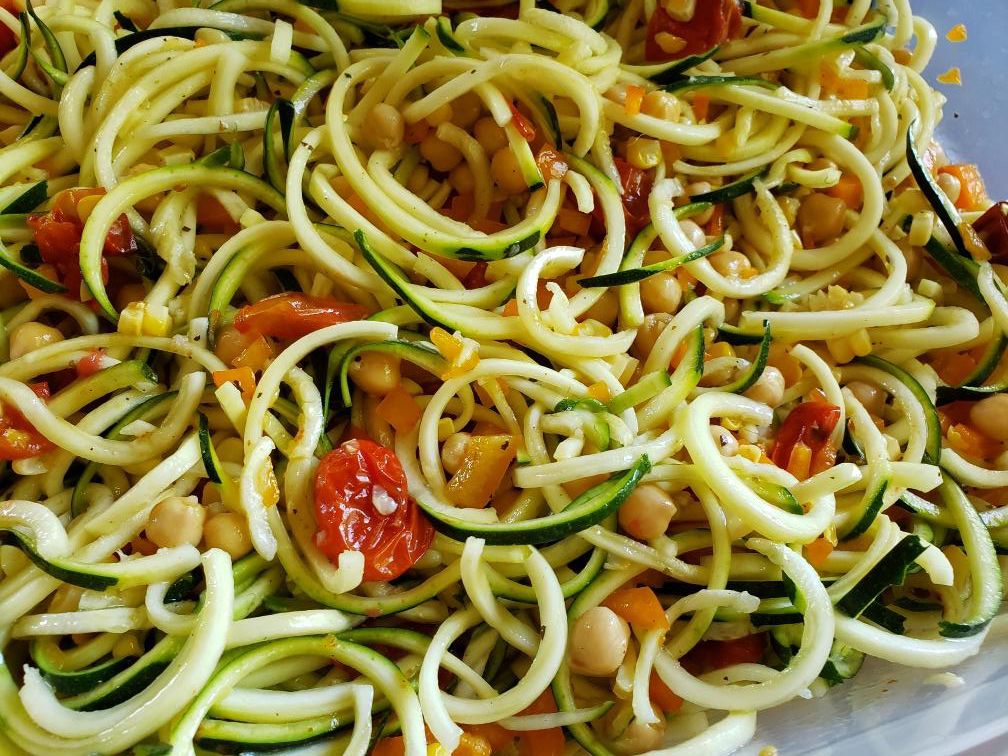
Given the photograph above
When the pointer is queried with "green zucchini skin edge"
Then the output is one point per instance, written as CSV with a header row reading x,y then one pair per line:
x,y
932,451
943,208
80,681
891,570
590,508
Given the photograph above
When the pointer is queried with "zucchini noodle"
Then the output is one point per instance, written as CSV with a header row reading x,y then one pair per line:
x,y
486,376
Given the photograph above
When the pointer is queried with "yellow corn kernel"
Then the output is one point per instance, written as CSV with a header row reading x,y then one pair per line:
x,y
450,346
840,350
599,391
860,343
751,452
131,319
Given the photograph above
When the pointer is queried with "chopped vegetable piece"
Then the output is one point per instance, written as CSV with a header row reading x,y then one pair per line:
x,y
992,227
634,99
549,742
638,606
807,431
293,315
662,696
400,410
18,437
713,22
848,189
243,376
952,76
522,124
58,235
484,464
708,656
362,503
957,33
972,192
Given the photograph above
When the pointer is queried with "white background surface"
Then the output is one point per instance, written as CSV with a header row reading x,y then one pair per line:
x,y
887,710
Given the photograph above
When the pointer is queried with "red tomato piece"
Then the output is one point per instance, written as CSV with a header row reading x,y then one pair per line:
x,y
18,438
810,423
58,236
708,656
346,485
636,184
476,277
992,227
293,315
524,126
90,363
713,22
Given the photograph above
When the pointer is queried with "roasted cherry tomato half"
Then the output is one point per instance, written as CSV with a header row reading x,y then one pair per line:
x,y
362,503
293,315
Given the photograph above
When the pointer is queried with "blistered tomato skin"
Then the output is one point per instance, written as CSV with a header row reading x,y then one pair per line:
x,y
713,23
362,504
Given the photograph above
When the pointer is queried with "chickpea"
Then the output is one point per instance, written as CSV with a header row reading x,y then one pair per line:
x,y
384,127
647,512
661,293
375,373
731,264
453,450
725,442
821,218
466,110
640,738
990,416
506,172
694,233
176,521
872,397
229,532
664,105
30,336
490,135
598,642
462,179
441,115
701,187
441,155
769,389
648,333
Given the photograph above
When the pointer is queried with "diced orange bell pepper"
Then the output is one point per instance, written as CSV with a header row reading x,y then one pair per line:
x,y
485,462
242,376
972,192
638,606
817,551
255,355
634,99
662,696
848,189
549,742
400,410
